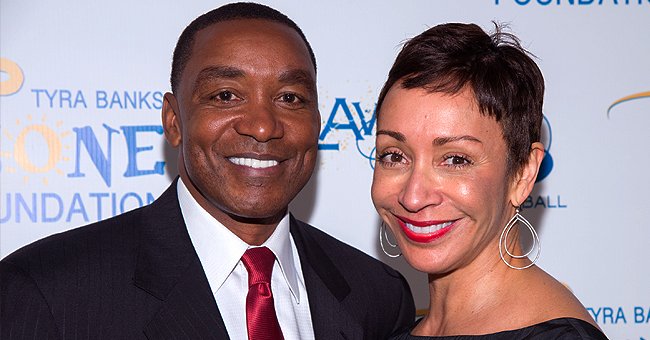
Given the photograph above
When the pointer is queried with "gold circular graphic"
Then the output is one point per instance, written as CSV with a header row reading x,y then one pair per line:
x,y
15,80
53,145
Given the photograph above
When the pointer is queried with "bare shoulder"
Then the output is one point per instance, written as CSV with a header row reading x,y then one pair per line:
x,y
550,299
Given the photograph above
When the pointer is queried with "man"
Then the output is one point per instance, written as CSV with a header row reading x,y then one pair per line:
x,y
243,114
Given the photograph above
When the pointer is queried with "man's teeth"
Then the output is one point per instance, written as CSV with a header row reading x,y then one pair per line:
x,y
253,163
428,229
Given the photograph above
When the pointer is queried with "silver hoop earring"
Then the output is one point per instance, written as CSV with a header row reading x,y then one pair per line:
x,y
382,234
503,241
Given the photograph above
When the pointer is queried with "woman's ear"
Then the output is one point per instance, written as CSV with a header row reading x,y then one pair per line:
x,y
525,180
171,120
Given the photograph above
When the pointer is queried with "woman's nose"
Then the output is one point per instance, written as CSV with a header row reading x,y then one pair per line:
x,y
422,189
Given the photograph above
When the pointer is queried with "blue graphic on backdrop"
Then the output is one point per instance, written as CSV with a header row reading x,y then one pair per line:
x,y
579,3
632,97
38,148
341,112
547,163
620,314
545,201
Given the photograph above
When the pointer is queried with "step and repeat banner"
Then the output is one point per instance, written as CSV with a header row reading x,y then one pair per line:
x,y
81,137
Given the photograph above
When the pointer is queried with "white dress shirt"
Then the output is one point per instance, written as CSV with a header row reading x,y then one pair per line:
x,y
220,252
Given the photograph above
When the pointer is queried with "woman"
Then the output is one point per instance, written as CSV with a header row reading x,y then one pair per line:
x,y
458,152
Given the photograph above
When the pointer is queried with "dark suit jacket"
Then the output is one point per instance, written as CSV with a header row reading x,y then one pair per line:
x,y
137,276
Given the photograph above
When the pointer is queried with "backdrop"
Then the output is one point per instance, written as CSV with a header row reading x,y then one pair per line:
x,y
81,140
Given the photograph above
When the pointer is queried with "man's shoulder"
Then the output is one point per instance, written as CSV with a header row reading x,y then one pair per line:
x,y
63,278
102,239
93,241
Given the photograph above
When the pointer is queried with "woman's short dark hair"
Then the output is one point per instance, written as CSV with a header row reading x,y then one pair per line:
x,y
506,82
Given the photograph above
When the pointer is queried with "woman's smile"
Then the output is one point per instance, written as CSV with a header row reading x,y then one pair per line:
x,y
424,231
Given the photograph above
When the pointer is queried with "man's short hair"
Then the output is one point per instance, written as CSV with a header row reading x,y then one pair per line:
x,y
234,11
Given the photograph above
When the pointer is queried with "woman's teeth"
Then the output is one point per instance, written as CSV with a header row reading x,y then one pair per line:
x,y
427,229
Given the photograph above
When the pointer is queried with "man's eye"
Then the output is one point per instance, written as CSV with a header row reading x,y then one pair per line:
x,y
225,96
290,98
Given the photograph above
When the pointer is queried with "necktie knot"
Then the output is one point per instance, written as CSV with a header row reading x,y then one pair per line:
x,y
259,264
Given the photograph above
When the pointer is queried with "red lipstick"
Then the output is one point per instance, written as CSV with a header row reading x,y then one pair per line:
x,y
423,237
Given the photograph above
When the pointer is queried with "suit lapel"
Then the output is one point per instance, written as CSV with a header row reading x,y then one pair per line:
x,y
188,312
169,269
326,287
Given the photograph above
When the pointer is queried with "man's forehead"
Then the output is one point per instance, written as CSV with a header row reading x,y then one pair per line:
x,y
231,28
249,43
251,36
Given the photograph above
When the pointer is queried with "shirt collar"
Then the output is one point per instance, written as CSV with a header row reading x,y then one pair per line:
x,y
220,250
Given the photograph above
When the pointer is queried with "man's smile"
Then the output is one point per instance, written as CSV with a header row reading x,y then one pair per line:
x,y
253,162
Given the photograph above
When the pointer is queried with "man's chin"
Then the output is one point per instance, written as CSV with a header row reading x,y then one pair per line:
x,y
259,218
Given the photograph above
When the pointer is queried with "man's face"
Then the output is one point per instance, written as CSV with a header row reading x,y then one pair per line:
x,y
246,119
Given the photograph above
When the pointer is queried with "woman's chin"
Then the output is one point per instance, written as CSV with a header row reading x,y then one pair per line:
x,y
425,261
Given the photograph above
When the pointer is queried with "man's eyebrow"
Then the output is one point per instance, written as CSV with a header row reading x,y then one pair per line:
x,y
217,72
400,137
297,76
444,140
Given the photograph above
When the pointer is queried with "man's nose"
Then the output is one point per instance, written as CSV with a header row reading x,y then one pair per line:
x,y
260,121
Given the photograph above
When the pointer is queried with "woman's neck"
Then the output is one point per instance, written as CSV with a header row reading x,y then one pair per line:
x,y
470,300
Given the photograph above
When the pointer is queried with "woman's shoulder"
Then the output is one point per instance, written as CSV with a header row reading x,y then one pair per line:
x,y
566,328
548,299
556,329
551,310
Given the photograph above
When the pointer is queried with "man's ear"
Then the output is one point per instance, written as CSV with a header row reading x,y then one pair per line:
x,y
524,181
171,120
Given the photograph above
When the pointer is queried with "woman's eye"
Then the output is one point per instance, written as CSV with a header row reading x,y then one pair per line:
x,y
390,159
395,158
456,161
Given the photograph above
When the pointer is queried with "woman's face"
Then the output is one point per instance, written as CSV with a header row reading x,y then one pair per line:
x,y
440,180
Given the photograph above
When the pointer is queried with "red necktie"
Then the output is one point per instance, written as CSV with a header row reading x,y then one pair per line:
x,y
260,313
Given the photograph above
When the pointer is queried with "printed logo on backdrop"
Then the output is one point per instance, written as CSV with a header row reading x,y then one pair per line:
x,y
38,151
12,77
545,200
349,125
626,100
621,315
580,3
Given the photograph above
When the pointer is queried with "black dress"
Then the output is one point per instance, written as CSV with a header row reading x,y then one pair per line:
x,y
562,328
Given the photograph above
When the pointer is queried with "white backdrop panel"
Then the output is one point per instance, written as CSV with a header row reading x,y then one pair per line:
x,y
81,137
